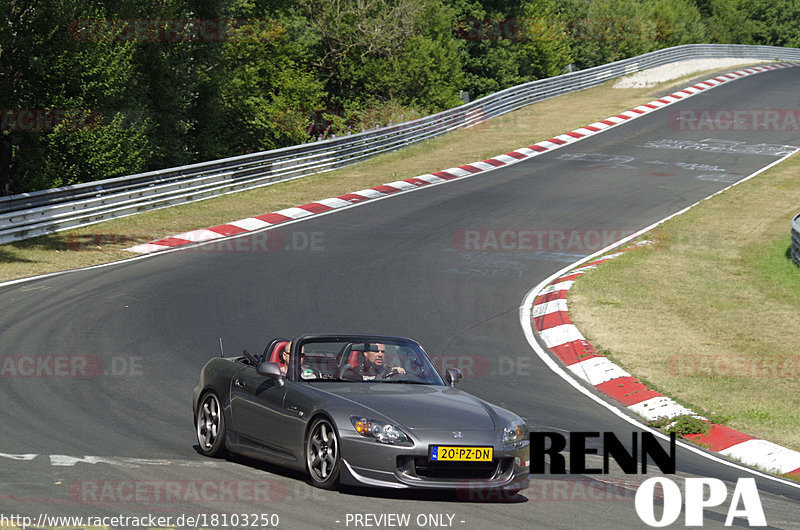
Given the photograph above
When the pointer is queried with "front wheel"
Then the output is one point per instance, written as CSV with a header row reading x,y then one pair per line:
x,y
322,454
210,425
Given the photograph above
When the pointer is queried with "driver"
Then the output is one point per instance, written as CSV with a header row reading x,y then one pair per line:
x,y
372,366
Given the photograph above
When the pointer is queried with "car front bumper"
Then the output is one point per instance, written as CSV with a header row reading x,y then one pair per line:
x,y
369,463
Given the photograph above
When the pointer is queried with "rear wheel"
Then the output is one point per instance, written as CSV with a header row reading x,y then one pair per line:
x,y
323,458
210,425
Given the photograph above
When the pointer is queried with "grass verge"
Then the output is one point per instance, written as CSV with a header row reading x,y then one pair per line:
x,y
105,242
708,313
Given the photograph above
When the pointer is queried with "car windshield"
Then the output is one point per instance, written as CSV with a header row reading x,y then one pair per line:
x,y
383,360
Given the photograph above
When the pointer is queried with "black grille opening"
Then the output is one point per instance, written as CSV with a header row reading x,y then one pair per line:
x,y
455,470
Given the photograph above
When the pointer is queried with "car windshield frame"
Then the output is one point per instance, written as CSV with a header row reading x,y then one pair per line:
x,y
402,351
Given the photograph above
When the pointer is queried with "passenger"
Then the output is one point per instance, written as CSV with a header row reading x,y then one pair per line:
x,y
307,370
283,359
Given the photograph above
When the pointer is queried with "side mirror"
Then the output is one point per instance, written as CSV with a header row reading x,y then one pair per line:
x,y
272,370
453,376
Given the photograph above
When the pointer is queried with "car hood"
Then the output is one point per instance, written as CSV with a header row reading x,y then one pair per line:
x,y
420,406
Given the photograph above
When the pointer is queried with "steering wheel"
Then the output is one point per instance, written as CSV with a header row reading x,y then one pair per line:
x,y
393,372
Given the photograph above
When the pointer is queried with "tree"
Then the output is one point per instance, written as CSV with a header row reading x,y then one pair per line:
x,y
372,50
78,95
603,31
776,22
547,38
678,22
269,98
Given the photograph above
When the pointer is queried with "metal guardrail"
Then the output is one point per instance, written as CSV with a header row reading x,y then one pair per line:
x,y
796,240
33,214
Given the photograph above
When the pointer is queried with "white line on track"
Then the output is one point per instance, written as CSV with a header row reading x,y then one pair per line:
x,y
121,461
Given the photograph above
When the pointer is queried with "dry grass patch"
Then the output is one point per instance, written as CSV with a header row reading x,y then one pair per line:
x,y
105,242
708,314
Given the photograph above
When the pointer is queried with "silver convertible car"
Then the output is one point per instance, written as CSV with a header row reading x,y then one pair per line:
x,y
359,410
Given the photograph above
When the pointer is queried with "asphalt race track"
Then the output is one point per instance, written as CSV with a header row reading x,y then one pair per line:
x,y
121,440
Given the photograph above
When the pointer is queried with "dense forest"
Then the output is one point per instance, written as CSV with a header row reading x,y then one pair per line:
x,y
94,89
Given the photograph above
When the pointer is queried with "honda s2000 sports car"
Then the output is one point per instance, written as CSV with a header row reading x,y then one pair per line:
x,y
359,410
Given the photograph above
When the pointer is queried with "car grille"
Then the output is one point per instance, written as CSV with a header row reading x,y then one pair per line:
x,y
421,467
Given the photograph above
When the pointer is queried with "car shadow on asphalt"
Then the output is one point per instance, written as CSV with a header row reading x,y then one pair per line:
x,y
460,495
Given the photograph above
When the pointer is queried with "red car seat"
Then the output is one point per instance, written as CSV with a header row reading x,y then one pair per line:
x,y
275,355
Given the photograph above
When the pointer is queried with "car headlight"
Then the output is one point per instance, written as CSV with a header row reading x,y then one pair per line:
x,y
381,431
515,431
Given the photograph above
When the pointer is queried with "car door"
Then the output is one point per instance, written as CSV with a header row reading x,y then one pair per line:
x,y
257,407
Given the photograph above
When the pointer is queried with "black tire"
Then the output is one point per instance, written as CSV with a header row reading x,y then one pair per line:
x,y
210,423
323,456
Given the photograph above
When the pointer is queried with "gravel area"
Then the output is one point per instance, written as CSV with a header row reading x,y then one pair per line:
x,y
653,76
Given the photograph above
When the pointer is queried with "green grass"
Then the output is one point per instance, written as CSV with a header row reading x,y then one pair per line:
x,y
780,276
708,313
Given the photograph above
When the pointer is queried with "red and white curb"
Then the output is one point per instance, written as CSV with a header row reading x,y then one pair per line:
x,y
274,218
550,318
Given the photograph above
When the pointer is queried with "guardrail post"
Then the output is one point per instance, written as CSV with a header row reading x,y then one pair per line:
x,y
796,240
